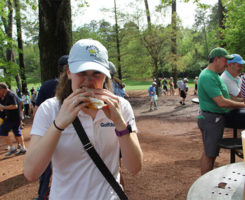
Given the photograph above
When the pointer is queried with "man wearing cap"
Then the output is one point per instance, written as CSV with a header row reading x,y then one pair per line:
x,y
152,95
214,102
231,77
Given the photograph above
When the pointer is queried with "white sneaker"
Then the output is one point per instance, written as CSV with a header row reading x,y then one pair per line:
x,y
11,151
7,148
20,152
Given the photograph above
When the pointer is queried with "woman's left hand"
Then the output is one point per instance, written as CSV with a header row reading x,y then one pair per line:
x,y
130,148
113,109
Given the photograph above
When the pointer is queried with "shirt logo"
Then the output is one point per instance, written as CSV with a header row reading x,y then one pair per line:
x,y
108,124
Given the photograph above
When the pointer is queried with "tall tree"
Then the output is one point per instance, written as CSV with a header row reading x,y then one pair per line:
x,y
148,15
10,66
55,35
20,44
221,16
117,43
174,41
201,22
8,25
154,41
152,45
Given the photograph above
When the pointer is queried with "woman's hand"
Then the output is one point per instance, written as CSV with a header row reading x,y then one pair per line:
x,y
71,106
112,110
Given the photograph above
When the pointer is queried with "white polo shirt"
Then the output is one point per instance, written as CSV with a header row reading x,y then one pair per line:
x,y
233,84
75,175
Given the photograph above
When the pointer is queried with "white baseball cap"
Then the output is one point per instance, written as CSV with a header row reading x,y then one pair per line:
x,y
88,54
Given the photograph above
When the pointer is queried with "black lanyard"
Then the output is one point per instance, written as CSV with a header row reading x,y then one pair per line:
x,y
97,159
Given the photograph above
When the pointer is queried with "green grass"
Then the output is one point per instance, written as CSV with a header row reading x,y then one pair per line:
x,y
137,85
144,85
29,86
130,85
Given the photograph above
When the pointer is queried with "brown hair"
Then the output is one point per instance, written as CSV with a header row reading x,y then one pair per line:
x,y
3,85
64,89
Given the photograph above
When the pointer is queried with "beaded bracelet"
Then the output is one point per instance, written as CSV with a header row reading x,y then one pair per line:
x,y
60,129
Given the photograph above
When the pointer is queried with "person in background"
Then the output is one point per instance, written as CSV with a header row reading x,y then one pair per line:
x,y
18,92
33,100
152,94
32,90
171,86
26,102
55,138
214,101
165,86
47,91
195,82
183,89
11,106
22,124
125,94
231,77
243,88
117,84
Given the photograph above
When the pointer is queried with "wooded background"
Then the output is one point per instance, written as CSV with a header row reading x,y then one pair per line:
x,y
33,35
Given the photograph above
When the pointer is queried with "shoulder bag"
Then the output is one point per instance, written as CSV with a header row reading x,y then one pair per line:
x,y
97,159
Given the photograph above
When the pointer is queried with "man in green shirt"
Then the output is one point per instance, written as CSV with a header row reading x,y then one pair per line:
x,y
214,102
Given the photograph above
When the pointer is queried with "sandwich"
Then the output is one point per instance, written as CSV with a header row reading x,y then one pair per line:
x,y
95,103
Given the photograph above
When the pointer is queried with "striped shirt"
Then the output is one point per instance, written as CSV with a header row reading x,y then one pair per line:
x,y
243,87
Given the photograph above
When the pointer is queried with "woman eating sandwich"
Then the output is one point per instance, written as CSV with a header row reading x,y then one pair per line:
x,y
108,120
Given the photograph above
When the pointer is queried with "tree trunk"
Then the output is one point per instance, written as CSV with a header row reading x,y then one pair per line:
x,y
148,15
221,21
118,43
8,25
206,39
173,41
20,45
155,61
17,78
55,35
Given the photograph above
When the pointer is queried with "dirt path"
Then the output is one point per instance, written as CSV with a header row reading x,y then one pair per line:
x,y
171,143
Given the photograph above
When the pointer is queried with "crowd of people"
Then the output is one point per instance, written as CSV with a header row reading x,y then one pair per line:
x,y
220,88
163,88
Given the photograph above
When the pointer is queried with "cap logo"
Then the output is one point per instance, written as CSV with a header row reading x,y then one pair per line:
x,y
93,50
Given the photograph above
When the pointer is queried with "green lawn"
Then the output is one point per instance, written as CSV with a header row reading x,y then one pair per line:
x,y
137,85
144,85
130,85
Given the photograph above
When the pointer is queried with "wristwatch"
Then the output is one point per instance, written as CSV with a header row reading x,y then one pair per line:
x,y
126,131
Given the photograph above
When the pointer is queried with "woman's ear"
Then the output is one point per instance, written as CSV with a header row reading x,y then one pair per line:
x,y
68,73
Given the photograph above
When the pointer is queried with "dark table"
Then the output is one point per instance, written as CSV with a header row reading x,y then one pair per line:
x,y
235,119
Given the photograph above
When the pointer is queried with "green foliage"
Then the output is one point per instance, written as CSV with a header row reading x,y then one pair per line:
x,y
32,64
235,26
137,46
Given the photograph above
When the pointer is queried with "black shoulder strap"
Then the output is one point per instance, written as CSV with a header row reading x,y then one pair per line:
x,y
97,159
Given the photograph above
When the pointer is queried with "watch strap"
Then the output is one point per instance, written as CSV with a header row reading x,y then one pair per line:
x,y
126,131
